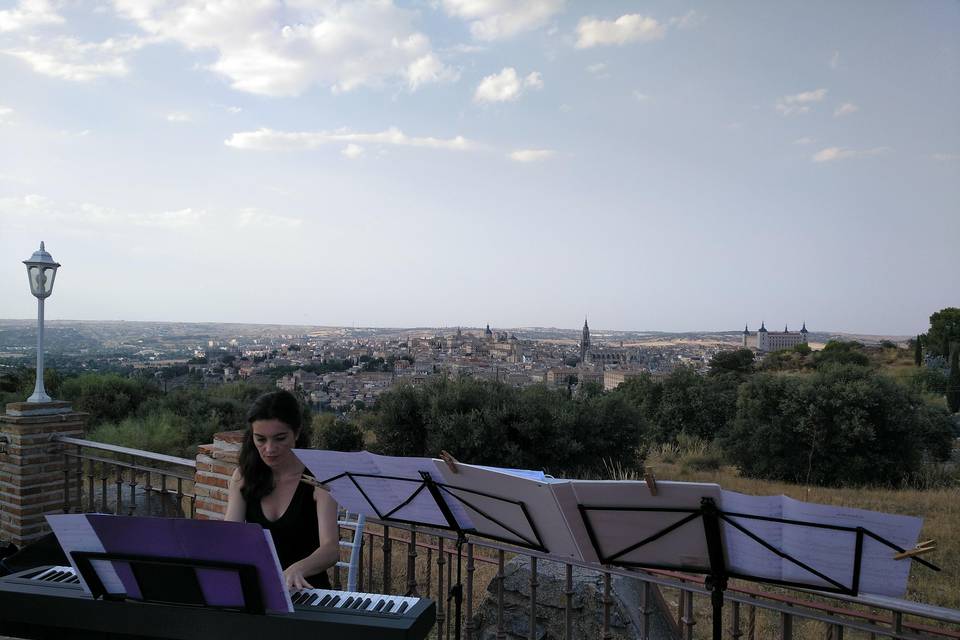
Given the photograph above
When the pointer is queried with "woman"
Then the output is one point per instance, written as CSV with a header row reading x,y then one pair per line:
x,y
266,489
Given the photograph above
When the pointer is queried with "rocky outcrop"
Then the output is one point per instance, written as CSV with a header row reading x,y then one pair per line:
x,y
587,605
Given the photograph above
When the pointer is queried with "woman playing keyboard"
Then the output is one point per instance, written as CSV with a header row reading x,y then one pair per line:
x,y
266,489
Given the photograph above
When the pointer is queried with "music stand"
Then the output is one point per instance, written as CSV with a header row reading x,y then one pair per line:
x,y
717,568
205,563
416,498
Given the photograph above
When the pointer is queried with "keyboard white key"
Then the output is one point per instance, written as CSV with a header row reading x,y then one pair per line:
x,y
356,601
57,574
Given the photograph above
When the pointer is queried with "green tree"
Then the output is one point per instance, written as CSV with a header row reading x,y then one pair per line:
x,y
918,351
739,361
841,425
953,382
332,434
841,352
944,331
107,397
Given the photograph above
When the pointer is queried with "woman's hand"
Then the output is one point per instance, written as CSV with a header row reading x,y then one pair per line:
x,y
294,577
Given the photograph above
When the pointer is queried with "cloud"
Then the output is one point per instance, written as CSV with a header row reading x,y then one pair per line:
x,y
690,20
283,49
269,140
946,157
599,70
29,13
800,102
831,154
633,27
506,86
178,117
71,59
496,19
805,140
252,217
835,60
352,151
639,96
845,109
428,69
531,155
40,209
5,114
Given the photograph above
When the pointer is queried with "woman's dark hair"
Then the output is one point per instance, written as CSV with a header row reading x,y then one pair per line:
x,y
277,405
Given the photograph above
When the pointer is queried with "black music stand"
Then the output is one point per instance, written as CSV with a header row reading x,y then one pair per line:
x,y
717,569
445,497
171,580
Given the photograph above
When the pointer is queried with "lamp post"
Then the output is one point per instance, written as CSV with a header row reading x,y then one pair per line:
x,y
41,271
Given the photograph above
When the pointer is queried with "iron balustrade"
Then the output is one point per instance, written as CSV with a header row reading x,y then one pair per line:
x,y
749,612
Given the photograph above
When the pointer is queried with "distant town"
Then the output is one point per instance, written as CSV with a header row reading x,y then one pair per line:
x,y
339,368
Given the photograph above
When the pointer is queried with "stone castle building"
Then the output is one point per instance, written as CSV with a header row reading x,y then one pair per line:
x,y
765,341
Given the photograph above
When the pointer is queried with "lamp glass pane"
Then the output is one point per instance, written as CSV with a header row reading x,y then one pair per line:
x,y
49,274
34,275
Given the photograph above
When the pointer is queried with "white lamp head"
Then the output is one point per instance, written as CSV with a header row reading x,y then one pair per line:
x,y
41,271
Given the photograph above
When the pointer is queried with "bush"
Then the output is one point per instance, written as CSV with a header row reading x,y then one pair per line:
x,y
843,425
162,432
332,434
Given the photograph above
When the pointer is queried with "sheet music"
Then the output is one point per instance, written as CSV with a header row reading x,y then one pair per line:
x,y
383,494
615,531
742,553
879,573
831,552
74,533
540,520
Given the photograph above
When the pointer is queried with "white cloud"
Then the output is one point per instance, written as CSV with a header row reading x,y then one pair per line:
x,y
71,59
495,19
805,140
835,60
271,48
5,114
39,209
632,27
178,117
256,218
270,140
946,157
599,70
840,153
640,96
428,69
28,13
352,151
845,109
800,102
234,110
506,86
531,155
690,20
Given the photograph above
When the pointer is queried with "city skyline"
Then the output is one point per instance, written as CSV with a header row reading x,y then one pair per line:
x,y
657,166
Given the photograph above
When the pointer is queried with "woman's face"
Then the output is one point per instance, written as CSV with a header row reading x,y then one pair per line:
x,y
274,440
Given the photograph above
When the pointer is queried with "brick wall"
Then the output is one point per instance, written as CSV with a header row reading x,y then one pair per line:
x,y
215,465
32,479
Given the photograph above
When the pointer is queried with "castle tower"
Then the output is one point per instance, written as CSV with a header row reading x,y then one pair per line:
x,y
804,332
762,342
584,343
746,334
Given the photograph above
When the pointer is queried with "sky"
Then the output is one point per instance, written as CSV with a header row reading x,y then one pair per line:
x,y
662,166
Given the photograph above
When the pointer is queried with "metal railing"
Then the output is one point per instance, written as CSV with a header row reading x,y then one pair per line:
x,y
155,484
425,567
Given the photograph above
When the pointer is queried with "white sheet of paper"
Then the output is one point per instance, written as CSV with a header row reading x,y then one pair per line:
x,y
744,554
387,494
499,517
684,547
879,572
74,533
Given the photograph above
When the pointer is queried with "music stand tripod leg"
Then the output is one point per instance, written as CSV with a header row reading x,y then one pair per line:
x,y
717,579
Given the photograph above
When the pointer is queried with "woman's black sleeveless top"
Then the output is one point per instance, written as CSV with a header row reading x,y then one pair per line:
x,y
296,533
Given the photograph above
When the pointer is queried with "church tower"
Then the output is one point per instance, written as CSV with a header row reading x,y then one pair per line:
x,y
584,343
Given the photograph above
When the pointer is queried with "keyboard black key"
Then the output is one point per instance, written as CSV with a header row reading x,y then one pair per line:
x,y
324,600
379,605
403,607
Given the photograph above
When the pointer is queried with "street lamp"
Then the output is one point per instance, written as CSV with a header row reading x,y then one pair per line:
x,y
41,271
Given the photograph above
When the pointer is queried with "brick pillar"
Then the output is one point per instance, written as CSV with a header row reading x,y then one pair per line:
x,y
32,467
215,465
